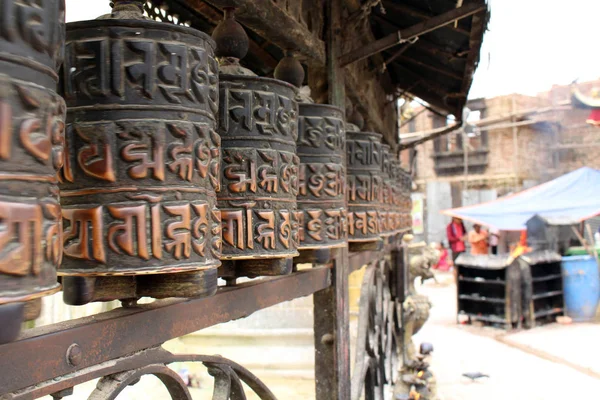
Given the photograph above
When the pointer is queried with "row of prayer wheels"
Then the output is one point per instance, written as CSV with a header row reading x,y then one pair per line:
x,y
159,169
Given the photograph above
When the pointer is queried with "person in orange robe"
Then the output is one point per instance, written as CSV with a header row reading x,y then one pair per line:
x,y
478,238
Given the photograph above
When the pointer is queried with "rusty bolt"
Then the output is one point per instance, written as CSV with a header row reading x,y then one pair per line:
x,y
74,355
327,339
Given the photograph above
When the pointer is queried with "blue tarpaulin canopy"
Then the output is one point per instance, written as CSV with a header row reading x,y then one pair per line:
x,y
574,196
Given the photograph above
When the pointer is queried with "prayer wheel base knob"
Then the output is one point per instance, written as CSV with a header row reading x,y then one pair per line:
x,y
365,246
256,268
11,318
83,290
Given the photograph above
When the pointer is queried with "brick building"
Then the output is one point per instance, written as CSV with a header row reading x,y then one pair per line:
x,y
514,142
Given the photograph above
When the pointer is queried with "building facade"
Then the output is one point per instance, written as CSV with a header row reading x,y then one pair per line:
x,y
510,143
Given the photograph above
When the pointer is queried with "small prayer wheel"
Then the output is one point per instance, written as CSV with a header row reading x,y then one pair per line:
x,y
321,197
31,151
364,188
142,168
258,124
321,147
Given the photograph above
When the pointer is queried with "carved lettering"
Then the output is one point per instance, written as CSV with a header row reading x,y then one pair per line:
x,y
200,227
54,233
181,152
95,158
315,225
241,171
266,230
286,230
179,231
124,235
83,236
144,146
268,172
20,238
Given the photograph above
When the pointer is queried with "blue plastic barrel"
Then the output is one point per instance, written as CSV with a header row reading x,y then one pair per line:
x,y
581,287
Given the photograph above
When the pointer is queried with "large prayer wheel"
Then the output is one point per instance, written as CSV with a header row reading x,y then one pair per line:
x,y
258,124
142,168
31,150
364,188
321,202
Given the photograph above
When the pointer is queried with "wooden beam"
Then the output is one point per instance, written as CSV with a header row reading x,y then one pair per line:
x,y
274,24
433,68
413,12
411,33
423,44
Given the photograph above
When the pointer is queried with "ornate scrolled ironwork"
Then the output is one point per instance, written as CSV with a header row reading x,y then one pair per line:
x,y
379,337
116,375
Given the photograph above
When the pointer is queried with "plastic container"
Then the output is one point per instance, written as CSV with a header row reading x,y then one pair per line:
x,y
581,287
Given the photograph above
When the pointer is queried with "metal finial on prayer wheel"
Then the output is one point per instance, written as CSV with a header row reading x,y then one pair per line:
x,y
259,175
357,119
32,118
290,70
321,144
230,37
142,169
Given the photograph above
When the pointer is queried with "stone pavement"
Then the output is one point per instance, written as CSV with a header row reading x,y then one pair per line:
x,y
515,374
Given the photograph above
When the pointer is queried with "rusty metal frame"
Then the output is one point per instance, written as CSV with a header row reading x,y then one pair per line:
x,y
45,352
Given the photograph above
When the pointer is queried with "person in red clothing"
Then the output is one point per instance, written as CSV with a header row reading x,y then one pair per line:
x,y
457,234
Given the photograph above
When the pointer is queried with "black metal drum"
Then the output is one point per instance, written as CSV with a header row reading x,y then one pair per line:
x,y
31,151
143,162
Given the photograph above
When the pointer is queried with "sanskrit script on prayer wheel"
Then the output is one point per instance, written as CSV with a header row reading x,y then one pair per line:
x,y
258,127
142,168
258,124
31,151
386,223
321,204
405,201
364,188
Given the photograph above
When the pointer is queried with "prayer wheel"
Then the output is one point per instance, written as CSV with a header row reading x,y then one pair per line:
x,y
142,168
364,188
31,151
386,200
321,147
321,203
259,173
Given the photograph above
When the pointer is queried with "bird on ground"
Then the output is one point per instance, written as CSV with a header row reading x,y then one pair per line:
x,y
475,375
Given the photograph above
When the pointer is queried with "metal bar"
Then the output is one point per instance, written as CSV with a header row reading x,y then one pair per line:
x,y
41,352
410,33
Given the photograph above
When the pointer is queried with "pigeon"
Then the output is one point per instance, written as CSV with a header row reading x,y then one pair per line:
x,y
426,348
475,375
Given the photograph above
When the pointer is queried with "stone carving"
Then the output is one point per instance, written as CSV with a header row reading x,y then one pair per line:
x,y
415,374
